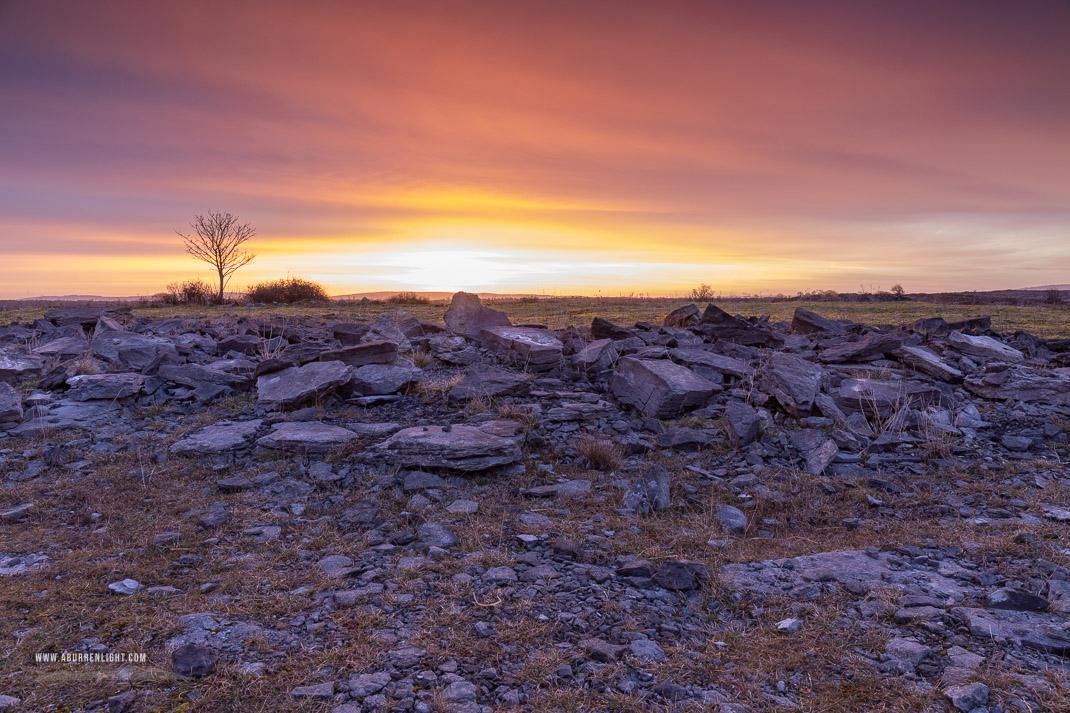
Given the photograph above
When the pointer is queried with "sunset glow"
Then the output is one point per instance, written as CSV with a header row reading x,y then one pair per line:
x,y
545,147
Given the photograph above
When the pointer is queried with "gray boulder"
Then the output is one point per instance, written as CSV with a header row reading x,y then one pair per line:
x,y
596,356
731,519
928,362
741,423
379,379
711,365
374,352
467,316
127,350
530,348
217,439
817,449
686,316
10,404
297,385
306,437
868,347
793,381
884,397
89,387
453,349
460,447
659,388
489,382
1022,384
650,492
807,322
984,347
17,366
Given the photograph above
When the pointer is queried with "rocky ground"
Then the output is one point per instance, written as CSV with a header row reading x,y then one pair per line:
x,y
714,513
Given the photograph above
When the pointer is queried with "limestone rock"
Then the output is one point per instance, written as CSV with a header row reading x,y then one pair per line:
x,y
489,382
379,379
296,385
111,387
806,322
218,438
659,388
530,348
469,317
793,381
306,437
460,447
375,352
984,347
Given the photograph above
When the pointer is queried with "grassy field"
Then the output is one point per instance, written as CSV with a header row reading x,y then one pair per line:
x,y
559,313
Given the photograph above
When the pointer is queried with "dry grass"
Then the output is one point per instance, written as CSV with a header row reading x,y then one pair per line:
x,y
560,312
599,452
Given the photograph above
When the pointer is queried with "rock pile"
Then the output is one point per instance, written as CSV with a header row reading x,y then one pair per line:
x,y
626,474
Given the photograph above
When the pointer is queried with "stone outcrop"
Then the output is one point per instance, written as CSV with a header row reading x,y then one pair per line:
x,y
659,388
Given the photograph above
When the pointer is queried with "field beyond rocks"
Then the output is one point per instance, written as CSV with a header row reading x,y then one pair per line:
x,y
681,509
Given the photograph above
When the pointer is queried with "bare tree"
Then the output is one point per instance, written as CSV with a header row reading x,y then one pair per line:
x,y
217,240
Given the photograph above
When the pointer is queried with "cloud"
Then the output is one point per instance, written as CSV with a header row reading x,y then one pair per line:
x,y
779,138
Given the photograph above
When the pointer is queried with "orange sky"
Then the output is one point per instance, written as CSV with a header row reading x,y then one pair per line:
x,y
522,146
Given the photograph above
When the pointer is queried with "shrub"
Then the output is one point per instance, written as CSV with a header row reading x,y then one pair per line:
x,y
702,293
1053,296
600,453
408,298
287,290
190,292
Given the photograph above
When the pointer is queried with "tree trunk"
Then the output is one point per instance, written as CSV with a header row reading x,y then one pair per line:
x,y
220,285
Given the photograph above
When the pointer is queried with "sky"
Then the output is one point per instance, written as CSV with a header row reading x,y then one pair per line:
x,y
551,146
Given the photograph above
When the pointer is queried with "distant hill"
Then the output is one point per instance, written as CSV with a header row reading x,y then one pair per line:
x,y
434,296
79,298
1046,287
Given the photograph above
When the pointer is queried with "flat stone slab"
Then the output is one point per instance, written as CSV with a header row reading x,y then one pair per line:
x,y
793,381
1022,384
128,350
782,576
699,360
489,382
72,414
984,347
217,439
1034,630
306,437
660,388
378,352
460,447
381,379
297,385
89,387
16,366
193,375
929,362
468,316
17,563
10,404
527,347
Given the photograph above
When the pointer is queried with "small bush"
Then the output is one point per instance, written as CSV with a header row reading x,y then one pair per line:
x,y
287,290
190,292
1053,296
408,298
600,453
702,293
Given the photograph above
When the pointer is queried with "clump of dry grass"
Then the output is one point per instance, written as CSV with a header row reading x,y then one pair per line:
x,y
438,386
422,358
601,453
512,412
478,404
